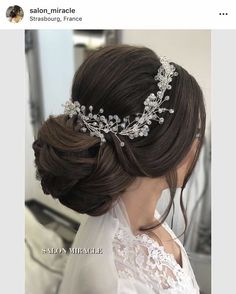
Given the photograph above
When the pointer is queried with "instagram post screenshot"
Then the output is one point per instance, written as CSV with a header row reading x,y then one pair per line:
x,y
118,147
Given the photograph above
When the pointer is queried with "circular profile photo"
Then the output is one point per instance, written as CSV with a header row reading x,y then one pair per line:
x,y
14,13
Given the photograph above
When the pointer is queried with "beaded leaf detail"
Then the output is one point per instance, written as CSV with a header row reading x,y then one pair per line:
x,y
98,124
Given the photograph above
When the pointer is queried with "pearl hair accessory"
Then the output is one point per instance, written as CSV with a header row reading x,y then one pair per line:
x,y
98,124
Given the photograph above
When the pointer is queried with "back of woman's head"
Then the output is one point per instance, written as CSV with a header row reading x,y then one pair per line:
x,y
87,176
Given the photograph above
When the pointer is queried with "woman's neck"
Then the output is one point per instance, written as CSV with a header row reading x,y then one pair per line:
x,y
141,199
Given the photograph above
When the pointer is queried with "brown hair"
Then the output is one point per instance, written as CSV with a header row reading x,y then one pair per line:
x,y
87,177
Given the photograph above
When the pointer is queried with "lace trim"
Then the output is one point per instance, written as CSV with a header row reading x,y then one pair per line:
x,y
142,259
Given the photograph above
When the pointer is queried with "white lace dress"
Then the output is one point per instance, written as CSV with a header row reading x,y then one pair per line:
x,y
128,264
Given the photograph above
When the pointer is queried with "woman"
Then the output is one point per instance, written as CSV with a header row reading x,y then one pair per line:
x,y
134,127
16,14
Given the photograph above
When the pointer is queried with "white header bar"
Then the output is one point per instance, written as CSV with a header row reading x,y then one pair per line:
x,y
103,14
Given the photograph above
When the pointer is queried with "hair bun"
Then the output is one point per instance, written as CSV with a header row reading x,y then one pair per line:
x,y
75,169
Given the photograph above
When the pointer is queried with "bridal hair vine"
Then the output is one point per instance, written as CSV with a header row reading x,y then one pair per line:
x,y
97,124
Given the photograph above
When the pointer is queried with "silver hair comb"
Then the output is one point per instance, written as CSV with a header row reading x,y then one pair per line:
x,y
97,124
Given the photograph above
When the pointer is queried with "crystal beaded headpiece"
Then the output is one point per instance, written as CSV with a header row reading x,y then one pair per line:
x,y
98,124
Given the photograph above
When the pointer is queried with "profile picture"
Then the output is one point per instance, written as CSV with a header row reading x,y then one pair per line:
x,y
14,13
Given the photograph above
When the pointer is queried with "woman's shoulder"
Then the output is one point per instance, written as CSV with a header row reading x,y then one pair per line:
x,y
142,260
